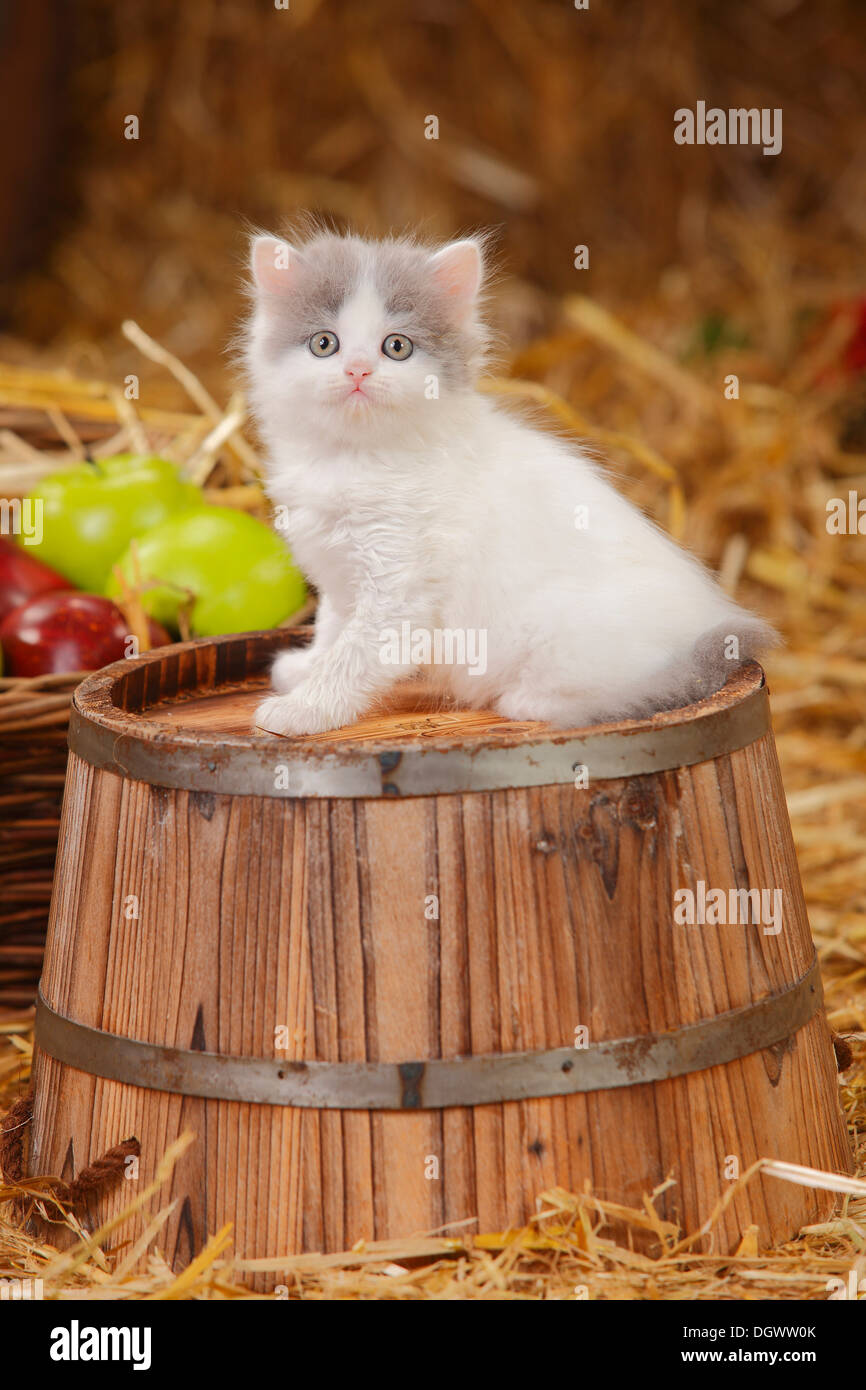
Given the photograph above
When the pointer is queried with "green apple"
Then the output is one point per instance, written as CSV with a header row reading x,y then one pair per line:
x,y
91,512
233,571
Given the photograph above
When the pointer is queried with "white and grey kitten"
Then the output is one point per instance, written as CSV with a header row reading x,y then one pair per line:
x,y
418,506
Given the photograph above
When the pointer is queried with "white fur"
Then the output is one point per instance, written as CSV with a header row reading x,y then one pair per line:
x,y
450,513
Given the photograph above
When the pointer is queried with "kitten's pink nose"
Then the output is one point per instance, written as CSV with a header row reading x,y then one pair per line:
x,y
357,370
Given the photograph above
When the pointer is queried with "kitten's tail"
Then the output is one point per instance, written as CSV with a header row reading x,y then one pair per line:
x,y
715,657
718,652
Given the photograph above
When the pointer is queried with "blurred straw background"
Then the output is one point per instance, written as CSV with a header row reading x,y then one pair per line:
x,y
556,129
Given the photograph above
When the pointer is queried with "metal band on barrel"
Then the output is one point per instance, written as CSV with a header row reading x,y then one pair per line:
x,y
241,768
437,1083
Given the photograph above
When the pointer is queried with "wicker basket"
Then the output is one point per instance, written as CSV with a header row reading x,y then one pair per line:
x,y
34,714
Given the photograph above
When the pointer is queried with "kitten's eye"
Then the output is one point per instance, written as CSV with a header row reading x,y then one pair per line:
x,y
398,346
324,344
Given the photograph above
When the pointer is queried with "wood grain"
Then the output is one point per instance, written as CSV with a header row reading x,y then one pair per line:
x,y
426,927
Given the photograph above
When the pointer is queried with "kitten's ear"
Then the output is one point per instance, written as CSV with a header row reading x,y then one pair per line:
x,y
457,270
273,263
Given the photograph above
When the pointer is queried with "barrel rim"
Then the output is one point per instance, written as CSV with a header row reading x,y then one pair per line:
x,y
436,1083
107,736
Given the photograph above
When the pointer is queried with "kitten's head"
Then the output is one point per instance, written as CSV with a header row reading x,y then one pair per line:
x,y
351,340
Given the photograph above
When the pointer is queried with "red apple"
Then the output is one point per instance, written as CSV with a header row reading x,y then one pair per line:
x,y
67,631
22,577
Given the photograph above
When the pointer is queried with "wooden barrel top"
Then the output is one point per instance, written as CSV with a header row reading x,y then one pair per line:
x,y
411,712
192,706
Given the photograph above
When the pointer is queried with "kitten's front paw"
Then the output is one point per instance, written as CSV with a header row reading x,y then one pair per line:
x,y
292,714
290,668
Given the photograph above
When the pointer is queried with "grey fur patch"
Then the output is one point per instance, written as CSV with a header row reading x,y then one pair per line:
x,y
712,666
331,268
707,667
327,272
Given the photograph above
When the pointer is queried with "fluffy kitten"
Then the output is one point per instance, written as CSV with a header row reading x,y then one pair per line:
x,y
416,505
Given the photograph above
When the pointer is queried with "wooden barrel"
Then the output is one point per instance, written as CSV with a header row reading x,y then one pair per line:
x,y
422,969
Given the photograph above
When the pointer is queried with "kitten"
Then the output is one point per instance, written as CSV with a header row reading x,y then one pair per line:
x,y
418,507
